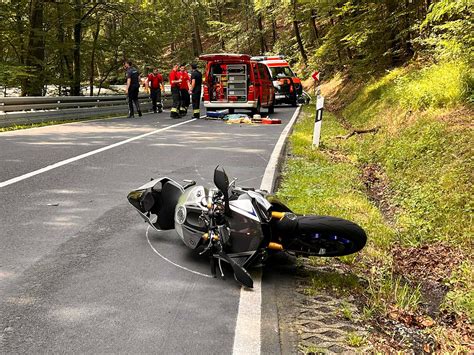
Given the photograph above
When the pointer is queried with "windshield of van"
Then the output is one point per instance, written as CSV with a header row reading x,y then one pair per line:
x,y
280,72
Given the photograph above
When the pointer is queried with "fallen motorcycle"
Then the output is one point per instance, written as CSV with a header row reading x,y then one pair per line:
x,y
240,226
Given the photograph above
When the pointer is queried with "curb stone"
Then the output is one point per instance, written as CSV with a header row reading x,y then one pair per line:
x,y
318,324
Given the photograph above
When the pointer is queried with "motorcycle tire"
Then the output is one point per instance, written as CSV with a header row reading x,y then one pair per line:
x,y
322,236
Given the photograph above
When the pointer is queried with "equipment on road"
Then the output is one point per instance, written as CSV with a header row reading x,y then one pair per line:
x,y
240,226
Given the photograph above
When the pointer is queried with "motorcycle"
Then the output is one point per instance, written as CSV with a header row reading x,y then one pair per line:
x,y
240,226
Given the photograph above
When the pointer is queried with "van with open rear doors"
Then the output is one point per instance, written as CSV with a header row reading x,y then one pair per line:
x,y
287,85
234,81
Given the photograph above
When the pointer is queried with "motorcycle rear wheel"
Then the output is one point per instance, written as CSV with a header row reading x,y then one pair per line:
x,y
325,236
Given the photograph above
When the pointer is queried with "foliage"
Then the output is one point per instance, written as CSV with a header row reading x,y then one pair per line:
x,y
77,41
451,27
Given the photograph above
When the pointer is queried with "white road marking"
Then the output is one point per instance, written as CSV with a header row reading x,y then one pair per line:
x,y
247,330
85,155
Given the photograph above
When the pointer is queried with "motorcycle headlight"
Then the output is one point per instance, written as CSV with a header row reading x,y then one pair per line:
x,y
181,214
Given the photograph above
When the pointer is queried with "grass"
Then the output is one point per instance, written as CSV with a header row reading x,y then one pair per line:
x,y
424,147
340,284
312,350
389,291
355,340
346,311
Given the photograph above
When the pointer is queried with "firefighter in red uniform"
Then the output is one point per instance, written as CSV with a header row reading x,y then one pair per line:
x,y
184,90
175,82
154,82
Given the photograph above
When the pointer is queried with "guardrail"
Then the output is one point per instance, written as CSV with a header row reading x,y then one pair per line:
x,y
27,110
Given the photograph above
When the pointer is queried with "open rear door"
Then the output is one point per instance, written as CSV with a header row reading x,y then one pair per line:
x,y
227,76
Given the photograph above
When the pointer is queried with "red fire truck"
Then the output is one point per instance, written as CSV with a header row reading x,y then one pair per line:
x,y
287,85
235,81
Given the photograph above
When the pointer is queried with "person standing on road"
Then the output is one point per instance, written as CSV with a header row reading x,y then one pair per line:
x,y
184,90
132,87
196,82
175,81
154,82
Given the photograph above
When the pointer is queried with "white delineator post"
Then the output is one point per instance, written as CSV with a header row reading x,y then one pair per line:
x,y
318,118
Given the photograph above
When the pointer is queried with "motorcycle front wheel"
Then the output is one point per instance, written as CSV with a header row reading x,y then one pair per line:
x,y
322,236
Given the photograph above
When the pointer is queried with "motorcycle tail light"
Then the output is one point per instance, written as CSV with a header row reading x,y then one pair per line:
x,y
206,93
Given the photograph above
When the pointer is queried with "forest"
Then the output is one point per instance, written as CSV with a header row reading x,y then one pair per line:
x,y
74,44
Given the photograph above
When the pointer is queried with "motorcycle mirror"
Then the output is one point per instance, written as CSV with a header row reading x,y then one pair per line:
x,y
220,179
222,183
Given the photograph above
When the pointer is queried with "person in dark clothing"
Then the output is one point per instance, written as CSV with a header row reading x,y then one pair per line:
x,y
132,88
196,82
154,82
175,82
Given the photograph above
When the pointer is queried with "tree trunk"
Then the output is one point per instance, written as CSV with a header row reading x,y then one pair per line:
x,y
314,35
221,37
249,42
33,85
197,33
394,42
263,45
298,35
274,32
76,83
338,50
92,66
20,28
62,58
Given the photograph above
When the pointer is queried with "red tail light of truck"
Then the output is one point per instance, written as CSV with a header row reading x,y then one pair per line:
x,y
251,93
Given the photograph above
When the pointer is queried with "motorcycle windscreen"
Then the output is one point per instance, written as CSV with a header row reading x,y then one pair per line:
x,y
159,198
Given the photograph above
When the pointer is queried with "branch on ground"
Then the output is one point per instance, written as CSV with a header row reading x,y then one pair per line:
x,y
359,131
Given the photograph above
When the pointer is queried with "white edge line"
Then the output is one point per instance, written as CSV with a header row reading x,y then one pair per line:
x,y
247,337
85,155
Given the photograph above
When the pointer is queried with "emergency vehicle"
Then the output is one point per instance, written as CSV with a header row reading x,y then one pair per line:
x,y
287,85
234,81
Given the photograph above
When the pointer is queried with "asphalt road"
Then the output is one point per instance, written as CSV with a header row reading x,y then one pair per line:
x,y
77,269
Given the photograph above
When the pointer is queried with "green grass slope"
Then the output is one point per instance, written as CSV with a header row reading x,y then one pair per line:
x,y
409,184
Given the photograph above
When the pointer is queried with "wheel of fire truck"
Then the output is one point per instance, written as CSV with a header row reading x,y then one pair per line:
x,y
256,110
271,108
294,100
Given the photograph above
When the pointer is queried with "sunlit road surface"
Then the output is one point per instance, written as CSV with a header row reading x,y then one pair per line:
x,y
78,272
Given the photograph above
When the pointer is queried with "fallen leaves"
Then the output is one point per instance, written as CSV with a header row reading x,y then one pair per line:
x,y
410,319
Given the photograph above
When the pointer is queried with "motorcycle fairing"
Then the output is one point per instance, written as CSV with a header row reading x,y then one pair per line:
x,y
245,208
155,202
